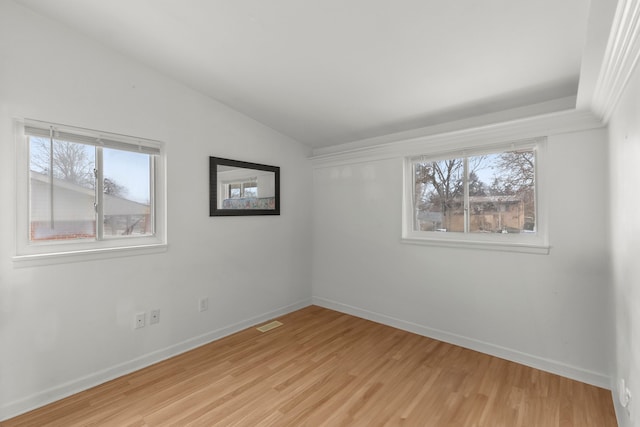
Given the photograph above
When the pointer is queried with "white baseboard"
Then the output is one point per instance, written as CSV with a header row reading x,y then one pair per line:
x,y
548,365
622,416
17,407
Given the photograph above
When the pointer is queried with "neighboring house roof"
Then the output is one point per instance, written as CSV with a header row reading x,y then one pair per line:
x,y
436,216
495,199
76,195
429,216
489,199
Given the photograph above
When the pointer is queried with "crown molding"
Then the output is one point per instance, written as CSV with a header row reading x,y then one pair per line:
x,y
473,137
620,59
546,107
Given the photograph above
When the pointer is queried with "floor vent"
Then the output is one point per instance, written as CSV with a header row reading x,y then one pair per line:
x,y
269,326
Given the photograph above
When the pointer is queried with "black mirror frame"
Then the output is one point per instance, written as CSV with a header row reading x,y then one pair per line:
x,y
213,188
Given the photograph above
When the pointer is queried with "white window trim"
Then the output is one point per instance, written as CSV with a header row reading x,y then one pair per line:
x,y
29,253
535,243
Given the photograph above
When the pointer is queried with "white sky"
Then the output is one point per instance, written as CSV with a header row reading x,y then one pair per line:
x,y
125,168
130,170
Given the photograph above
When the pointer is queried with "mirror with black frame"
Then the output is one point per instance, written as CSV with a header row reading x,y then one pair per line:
x,y
243,188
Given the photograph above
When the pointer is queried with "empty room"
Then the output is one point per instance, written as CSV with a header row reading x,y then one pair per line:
x,y
319,213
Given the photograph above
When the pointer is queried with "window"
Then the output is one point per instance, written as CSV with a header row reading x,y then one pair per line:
x,y
83,190
240,190
486,197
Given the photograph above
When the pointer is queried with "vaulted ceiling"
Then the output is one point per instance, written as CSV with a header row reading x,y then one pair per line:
x,y
327,72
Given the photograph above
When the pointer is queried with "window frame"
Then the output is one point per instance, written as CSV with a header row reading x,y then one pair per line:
x,y
30,252
243,185
536,243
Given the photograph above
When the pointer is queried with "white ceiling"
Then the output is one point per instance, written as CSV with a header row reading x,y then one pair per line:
x,y
327,72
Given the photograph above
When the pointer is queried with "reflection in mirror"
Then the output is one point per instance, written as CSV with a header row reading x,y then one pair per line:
x,y
242,188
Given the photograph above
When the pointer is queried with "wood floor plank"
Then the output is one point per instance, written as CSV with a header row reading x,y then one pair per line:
x,y
324,368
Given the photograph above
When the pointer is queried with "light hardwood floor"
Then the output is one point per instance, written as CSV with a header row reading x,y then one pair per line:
x,y
324,368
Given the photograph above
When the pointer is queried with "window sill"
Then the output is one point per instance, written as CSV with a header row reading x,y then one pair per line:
x,y
515,247
33,260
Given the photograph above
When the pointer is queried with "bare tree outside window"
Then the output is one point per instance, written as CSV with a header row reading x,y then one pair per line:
x,y
65,207
111,187
439,189
500,195
72,162
440,192
517,173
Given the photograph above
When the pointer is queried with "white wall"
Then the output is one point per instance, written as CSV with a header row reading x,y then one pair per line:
x,y
548,311
624,138
64,327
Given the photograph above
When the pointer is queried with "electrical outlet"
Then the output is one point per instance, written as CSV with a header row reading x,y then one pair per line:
x,y
203,304
139,320
154,317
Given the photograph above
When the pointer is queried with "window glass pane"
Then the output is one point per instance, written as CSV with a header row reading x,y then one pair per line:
x,y
61,190
234,191
502,192
127,193
250,189
439,196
